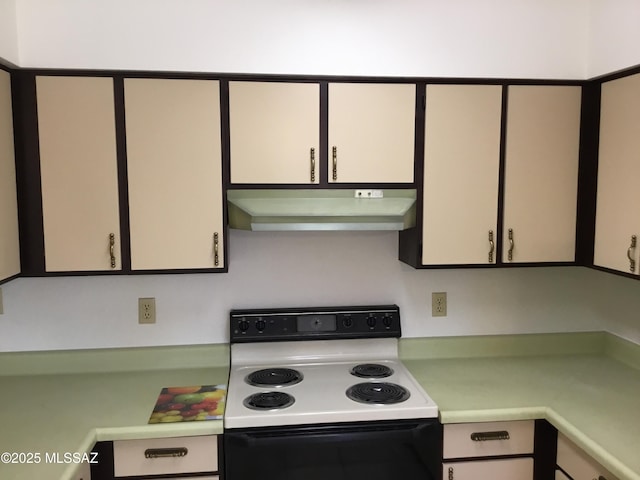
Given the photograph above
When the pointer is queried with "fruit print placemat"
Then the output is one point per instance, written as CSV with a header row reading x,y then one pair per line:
x,y
187,404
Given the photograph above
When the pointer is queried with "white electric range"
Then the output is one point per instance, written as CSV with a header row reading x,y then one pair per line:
x,y
307,383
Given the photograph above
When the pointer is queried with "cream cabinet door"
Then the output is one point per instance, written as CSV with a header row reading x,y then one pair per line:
x,y
371,132
577,463
511,469
541,173
618,172
76,126
174,170
461,163
9,240
275,132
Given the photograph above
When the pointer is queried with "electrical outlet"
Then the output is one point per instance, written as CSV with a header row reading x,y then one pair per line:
x,y
439,304
147,310
1,307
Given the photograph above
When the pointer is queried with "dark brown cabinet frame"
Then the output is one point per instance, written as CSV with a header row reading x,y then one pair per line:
x,y
410,241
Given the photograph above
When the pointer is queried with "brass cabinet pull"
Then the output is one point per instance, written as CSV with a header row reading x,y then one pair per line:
x,y
313,164
486,436
334,156
165,452
112,242
216,257
491,245
511,245
630,252
450,473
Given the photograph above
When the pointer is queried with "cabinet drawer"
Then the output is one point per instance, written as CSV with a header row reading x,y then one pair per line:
x,y
486,439
580,466
201,455
561,476
511,469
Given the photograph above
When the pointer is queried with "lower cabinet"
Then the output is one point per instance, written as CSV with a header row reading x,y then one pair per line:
x,y
83,472
478,450
176,457
504,469
577,464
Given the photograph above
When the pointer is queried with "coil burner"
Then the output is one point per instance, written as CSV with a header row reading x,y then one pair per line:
x,y
268,401
378,393
371,370
274,377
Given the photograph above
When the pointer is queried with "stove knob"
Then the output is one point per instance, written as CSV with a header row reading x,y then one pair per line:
x,y
243,325
347,322
387,320
371,321
260,325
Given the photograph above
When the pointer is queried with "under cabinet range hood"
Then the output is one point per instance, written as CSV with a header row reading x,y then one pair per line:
x,y
314,209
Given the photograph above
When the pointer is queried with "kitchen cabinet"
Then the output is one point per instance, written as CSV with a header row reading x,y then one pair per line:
x,y
541,173
560,476
617,225
504,469
77,141
274,132
577,464
83,472
479,442
166,456
9,240
174,170
461,165
371,133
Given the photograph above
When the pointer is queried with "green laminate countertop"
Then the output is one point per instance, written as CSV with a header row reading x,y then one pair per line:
x,y
586,384
591,394
90,396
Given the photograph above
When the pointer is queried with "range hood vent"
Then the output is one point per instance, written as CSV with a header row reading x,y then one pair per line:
x,y
314,210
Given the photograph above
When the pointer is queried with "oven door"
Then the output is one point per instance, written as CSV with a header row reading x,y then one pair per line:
x,y
411,450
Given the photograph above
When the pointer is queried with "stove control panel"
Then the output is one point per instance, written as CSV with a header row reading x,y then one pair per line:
x,y
319,323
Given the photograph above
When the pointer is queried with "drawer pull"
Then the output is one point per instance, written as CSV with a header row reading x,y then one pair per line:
x,y
450,473
165,452
485,436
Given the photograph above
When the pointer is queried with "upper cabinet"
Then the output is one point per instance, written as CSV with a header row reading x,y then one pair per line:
x,y
77,140
9,241
274,132
174,171
617,226
371,133
461,164
541,173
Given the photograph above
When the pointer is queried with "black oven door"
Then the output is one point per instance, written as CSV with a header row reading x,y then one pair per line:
x,y
410,450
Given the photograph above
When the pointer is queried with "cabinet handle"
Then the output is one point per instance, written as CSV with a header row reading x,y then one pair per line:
x,y
486,436
313,164
112,242
216,256
334,156
630,252
165,452
511,245
491,246
450,473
